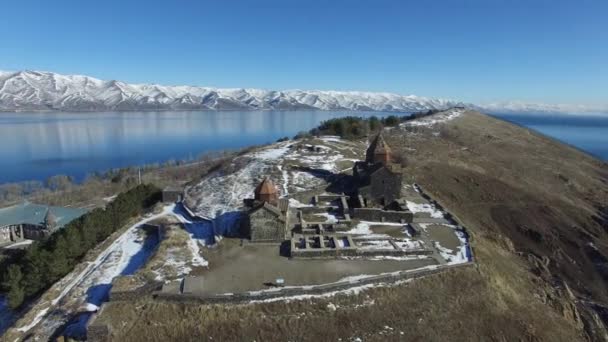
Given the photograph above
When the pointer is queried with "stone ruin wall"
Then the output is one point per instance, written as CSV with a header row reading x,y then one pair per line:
x,y
380,215
304,290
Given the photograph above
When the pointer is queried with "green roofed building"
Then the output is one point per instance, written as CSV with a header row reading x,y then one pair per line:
x,y
33,221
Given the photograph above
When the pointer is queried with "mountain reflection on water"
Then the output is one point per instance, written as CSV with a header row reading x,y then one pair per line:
x,y
38,145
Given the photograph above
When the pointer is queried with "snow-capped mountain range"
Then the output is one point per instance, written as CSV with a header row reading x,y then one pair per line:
x,y
36,90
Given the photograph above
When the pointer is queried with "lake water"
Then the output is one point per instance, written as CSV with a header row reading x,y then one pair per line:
x,y
588,133
39,145
34,146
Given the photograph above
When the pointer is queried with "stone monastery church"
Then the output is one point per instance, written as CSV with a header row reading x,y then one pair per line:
x,y
379,179
375,196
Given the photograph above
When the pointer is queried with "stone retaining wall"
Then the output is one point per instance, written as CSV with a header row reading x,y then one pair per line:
x,y
450,217
98,332
325,253
303,290
136,293
314,210
379,215
102,332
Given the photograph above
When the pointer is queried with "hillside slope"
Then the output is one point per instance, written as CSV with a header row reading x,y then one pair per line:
x,y
525,194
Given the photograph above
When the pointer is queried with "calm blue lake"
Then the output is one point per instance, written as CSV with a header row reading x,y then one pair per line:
x,y
588,133
39,145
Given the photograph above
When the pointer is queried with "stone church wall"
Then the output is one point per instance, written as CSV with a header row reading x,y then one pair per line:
x,y
265,226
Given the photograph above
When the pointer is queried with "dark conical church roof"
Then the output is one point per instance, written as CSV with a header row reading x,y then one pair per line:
x,y
266,187
378,151
266,191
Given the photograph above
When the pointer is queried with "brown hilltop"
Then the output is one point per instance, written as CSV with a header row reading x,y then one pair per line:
x,y
526,194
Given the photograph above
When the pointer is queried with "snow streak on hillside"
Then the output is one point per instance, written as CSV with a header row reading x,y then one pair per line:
x,y
33,90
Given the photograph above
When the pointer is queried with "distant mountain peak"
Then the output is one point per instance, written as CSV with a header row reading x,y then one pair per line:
x,y
43,90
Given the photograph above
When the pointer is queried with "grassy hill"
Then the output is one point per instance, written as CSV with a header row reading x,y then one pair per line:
x,y
525,194
536,209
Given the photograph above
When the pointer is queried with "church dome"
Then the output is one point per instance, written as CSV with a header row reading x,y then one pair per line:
x,y
266,191
378,151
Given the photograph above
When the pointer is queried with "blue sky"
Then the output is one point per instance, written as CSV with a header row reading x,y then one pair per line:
x,y
470,50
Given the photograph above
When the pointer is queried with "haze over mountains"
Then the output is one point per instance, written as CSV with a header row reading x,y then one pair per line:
x,y
35,90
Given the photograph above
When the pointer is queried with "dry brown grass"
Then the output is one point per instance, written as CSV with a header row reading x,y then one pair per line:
x,y
459,305
174,246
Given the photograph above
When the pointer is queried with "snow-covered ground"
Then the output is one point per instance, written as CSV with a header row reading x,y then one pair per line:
x,y
434,119
458,256
327,217
35,321
89,287
409,243
424,208
349,291
364,228
47,90
200,233
374,244
221,193
19,244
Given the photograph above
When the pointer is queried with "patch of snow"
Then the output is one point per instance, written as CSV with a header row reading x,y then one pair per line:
x,y
294,203
113,261
272,153
355,278
109,198
400,258
35,321
361,228
334,138
91,307
458,256
219,194
434,119
408,244
350,291
193,243
364,228
20,243
224,193
329,218
340,242
285,184
374,244
424,208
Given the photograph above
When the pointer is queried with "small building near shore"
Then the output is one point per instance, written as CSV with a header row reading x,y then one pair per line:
x,y
34,221
172,194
